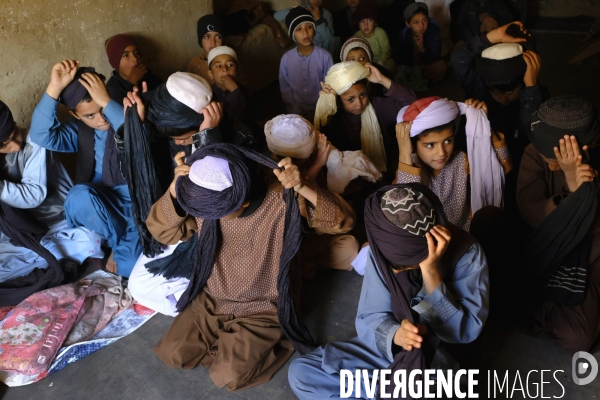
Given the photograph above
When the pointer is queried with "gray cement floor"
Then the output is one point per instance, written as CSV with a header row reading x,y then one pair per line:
x,y
128,369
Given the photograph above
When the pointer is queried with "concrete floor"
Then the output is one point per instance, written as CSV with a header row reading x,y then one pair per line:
x,y
128,369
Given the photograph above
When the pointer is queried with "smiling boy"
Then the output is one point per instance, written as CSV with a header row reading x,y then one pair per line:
x,y
100,199
304,67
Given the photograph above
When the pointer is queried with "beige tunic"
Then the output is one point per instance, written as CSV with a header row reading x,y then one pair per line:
x,y
244,278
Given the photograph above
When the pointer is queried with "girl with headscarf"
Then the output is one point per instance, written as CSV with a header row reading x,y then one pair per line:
x,y
425,287
352,120
426,133
125,57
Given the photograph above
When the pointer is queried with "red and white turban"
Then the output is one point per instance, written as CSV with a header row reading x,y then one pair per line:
x,y
486,172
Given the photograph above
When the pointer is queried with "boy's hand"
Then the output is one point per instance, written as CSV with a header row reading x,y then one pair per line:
x,y
377,77
290,177
95,87
229,83
436,251
62,74
326,88
134,98
499,35
137,73
418,39
568,157
212,115
533,68
182,169
404,143
324,148
478,104
409,336
584,173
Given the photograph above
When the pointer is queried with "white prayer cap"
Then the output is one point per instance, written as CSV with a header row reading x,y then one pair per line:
x,y
189,89
220,50
211,173
291,136
502,51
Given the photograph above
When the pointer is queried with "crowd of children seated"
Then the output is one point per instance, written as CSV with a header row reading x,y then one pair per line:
x,y
216,220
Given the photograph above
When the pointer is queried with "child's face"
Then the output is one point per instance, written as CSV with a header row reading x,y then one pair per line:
x,y
367,26
505,98
304,34
91,114
418,24
359,55
131,57
221,67
186,139
352,4
435,148
14,142
210,40
553,165
356,99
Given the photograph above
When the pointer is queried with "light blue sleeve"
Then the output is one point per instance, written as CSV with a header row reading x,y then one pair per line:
x,y
323,33
285,86
375,322
329,18
32,190
114,114
47,131
458,308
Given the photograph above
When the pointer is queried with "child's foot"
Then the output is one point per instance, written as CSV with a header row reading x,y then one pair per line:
x,y
111,265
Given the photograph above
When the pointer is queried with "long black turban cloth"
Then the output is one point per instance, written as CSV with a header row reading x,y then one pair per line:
x,y
7,123
558,250
391,244
75,91
163,110
211,205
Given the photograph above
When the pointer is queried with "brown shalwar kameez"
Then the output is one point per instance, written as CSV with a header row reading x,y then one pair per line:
x,y
232,326
574,328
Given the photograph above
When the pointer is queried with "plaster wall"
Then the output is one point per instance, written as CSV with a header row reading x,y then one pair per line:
x,y
36,34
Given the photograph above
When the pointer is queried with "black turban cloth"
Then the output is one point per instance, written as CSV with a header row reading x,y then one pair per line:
x,y
212,205
557,251
560,116
7,123
75,91
162,110
209,23
390,244
24,231
502,71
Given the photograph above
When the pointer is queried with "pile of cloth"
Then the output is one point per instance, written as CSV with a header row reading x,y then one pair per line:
x,y
59,326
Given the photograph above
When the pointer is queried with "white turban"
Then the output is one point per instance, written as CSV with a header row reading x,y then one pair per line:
x,y
220,50
341,77
291,136
189,89
485,171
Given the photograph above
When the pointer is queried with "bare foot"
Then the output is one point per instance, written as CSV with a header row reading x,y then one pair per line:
x,y
111,265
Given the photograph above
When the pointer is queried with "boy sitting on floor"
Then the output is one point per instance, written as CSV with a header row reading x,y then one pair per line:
x,y
304,67
211,34
366,16
100,200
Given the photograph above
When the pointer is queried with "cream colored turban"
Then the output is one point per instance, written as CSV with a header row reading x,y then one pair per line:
x,y
291,136
341,77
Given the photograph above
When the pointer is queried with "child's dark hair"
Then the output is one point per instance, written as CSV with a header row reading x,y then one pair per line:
x,y
504,86
452,125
